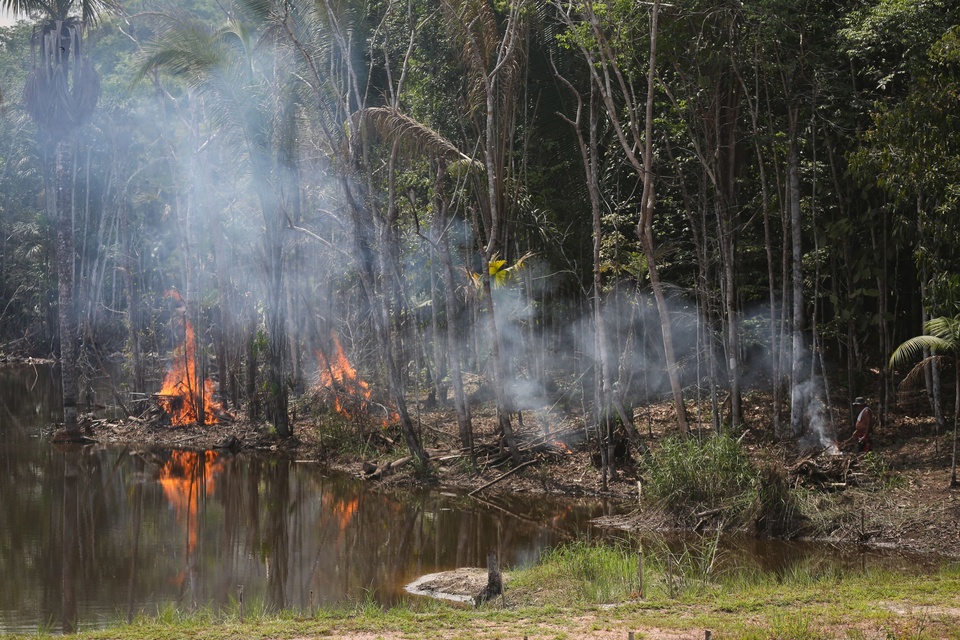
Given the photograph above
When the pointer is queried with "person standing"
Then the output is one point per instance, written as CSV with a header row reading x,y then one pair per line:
x,y
863,428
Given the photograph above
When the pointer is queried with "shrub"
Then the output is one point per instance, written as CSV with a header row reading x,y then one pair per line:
x,y
688,476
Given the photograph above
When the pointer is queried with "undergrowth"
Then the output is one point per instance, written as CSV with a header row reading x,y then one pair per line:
x,y
693,479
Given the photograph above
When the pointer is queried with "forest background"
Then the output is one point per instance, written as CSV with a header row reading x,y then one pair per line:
x,y
586,205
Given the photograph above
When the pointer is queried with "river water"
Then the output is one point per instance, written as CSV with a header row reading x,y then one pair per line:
x,y
92,535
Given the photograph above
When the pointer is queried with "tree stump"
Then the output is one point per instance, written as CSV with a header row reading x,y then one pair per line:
x,y
494,581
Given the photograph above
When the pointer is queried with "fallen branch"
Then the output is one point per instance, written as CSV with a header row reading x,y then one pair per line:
x,y
372,471
382,470
501,477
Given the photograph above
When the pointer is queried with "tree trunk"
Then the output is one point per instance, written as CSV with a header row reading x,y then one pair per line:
x,y
499,370
130,268
252,358
799,317
464,422
956,424
386,346
732,326
645,233
66,317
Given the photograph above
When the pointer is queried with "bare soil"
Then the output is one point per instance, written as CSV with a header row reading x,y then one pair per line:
x,y
898,496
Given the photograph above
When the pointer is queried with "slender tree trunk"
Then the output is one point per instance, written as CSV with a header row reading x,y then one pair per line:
x,y
277,396
226,331
464,422
732,327
645,233
252,358
130,269
500,373
394,379
66,316
956,425
276,360
799,317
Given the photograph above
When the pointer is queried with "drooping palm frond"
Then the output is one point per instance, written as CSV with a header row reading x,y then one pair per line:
x,y
416,137
914,347
474,26
90,10
944,327
62,89
191,52
941,335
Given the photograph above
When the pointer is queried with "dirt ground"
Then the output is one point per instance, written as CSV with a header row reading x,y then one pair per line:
x,y
897,497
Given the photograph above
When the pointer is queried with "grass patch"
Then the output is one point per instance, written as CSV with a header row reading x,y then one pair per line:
x,y
561,597
580,573
689,479
684,475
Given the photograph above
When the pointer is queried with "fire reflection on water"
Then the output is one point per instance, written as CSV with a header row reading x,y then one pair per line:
x,y
187,477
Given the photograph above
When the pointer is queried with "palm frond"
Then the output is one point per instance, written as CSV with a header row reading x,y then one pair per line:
x,y
190,52
916,375
417,137
914,347
92,10
945,327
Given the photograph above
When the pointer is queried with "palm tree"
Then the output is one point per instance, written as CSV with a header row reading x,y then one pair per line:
x,y
60,94
941,335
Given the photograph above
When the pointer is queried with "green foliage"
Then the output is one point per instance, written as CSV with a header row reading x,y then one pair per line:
x,y
877,467
585,573
941,335
684,475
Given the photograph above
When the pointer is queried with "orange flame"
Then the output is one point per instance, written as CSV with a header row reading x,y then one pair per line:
x,y
179,395
350,394
561,446
185,477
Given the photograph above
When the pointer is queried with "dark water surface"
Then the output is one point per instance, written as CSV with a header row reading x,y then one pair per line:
x,y
91,535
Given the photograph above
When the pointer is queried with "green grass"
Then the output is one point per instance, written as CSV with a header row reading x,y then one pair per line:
x,y
585,588
714,479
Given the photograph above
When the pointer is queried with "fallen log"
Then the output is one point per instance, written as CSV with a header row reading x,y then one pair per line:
x,y
373,471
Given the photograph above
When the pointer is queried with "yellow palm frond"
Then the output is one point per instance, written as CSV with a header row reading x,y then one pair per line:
x,y
500,273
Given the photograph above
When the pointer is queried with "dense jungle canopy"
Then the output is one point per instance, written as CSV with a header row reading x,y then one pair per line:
x,y
588,205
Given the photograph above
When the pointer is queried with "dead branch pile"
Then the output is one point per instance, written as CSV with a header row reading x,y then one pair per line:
x,y
819,470
490,455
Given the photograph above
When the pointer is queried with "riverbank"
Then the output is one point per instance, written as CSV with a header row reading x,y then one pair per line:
x,y
897,496
582,591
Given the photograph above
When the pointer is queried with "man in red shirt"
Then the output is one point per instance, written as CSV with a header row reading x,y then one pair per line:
x,y
863,429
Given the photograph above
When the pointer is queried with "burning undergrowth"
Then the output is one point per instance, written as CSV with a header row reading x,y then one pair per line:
x,y
340,388
184,397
